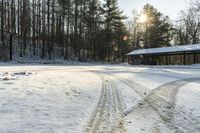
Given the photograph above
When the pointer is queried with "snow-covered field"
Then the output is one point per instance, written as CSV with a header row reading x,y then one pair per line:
x,y
87,98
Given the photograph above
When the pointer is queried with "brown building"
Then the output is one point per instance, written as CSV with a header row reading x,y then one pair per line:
x,y
174,55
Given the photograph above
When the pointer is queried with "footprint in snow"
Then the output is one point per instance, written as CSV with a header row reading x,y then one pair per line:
x,y
2,88
73,92
67,93
76,91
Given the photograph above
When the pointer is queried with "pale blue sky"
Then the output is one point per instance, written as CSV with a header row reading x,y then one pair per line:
x,y
167,7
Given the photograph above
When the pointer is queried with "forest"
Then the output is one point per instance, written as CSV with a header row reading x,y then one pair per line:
x,y
89,30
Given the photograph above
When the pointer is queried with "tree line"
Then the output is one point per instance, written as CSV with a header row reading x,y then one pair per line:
x,y
63,29
159,31
89,30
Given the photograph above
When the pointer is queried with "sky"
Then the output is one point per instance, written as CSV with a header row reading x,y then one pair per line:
x,y
167,7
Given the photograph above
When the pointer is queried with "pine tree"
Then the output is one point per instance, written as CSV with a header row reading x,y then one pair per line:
x,y
112,15
157,31
68,29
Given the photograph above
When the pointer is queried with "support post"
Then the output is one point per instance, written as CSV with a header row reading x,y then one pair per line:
x,y
128,59
184,59
181,58
166,60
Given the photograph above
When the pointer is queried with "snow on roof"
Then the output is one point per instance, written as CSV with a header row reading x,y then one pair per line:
x,y
172,49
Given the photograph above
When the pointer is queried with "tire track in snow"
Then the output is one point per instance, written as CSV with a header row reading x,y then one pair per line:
x,y
163,101
108,116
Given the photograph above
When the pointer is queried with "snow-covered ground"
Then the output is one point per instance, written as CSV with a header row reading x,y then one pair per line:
x,y
99,98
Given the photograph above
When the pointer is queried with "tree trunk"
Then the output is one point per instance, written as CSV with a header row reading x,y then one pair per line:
x,y
2,22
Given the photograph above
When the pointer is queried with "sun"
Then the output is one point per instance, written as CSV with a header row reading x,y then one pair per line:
x,y
143,18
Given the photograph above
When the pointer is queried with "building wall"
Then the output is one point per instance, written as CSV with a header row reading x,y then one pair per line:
x,y
164,60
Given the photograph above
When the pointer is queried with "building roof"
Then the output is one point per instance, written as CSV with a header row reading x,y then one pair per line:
x,y
166,50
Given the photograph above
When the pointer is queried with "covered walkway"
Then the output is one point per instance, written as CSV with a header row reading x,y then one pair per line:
x,y
184,54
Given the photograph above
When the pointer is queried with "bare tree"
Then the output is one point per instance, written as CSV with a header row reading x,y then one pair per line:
x,y
191,19
195,3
